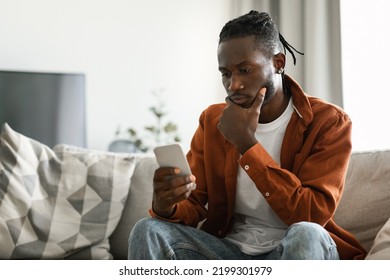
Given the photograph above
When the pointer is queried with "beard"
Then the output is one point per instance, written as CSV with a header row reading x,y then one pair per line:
x,y
270,86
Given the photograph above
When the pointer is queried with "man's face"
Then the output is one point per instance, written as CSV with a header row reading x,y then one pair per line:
x,y
245,70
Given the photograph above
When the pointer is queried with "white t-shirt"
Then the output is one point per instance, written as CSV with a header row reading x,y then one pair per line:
x,y
256,228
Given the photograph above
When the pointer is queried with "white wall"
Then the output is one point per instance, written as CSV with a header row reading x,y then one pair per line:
x,y
126,48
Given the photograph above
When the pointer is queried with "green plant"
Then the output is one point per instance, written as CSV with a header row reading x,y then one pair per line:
x,y
162,132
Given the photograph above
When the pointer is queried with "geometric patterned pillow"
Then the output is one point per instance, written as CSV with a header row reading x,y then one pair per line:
x,y
60,203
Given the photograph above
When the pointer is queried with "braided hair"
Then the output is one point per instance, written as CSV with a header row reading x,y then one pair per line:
x,y
266,33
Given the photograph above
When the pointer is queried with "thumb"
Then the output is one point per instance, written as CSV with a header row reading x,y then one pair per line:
x,y
259,99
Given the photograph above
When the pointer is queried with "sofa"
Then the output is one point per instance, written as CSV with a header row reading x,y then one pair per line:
x,y
67,202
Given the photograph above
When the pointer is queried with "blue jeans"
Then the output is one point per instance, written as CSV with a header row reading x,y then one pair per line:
x,y
160,240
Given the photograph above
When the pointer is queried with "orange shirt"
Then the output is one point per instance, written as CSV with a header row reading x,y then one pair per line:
x,y
307,186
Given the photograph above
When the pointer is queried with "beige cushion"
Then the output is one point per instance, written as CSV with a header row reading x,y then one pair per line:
x,y
365,205
137,205
380,250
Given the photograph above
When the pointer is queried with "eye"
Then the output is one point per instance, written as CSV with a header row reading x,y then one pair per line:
x,y
245,70
225,74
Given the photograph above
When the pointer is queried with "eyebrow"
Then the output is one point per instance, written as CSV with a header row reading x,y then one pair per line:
x,y
239,64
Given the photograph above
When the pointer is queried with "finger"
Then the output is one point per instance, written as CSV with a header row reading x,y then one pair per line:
x,y
163,172
180,192
259,99
182,180
169,183
262,91
173,195
182,187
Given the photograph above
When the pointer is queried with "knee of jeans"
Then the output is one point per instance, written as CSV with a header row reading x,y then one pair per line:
x,y
303,229
305,240
308,231
140,228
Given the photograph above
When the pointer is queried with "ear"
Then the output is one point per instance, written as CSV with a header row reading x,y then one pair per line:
x,y
279,61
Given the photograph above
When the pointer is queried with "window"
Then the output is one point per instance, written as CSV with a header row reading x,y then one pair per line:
x,y
366,71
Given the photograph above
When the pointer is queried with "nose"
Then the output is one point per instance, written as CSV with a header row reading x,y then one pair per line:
x,y
234,84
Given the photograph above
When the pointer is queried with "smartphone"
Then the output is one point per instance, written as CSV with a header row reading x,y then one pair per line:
x,y
172,155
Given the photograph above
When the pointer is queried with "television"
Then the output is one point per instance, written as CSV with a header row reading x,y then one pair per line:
x,y
47,107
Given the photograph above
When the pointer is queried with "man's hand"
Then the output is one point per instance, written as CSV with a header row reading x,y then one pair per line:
x,y
238,125
169,188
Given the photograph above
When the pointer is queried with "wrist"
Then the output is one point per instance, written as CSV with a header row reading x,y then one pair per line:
x,y
246,144
164,213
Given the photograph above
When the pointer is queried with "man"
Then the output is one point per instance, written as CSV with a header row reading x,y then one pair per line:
x,y
269,166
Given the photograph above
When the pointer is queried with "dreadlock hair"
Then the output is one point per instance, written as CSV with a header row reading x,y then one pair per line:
x,y
266,33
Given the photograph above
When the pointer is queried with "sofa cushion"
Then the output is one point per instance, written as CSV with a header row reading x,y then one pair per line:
x,y
59,203
138,203
365,205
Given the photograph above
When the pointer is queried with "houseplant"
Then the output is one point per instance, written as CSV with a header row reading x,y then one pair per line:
x,y
158,133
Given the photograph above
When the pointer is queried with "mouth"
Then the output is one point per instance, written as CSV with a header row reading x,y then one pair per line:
x,y
238,99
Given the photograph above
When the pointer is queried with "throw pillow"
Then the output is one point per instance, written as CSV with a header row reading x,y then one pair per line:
x,y
380,250
59,203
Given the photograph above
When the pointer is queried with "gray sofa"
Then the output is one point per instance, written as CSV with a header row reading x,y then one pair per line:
x,y
363,210
121,185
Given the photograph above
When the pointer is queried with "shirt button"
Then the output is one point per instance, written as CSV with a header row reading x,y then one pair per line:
x,y
246,167
267,194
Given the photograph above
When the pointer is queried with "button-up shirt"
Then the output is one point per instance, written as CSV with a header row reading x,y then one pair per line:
x,y
306,186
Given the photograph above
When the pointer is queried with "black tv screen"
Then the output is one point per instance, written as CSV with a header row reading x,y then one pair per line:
x,y
48,107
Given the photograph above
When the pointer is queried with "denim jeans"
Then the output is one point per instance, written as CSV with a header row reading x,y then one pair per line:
x,y
160,240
